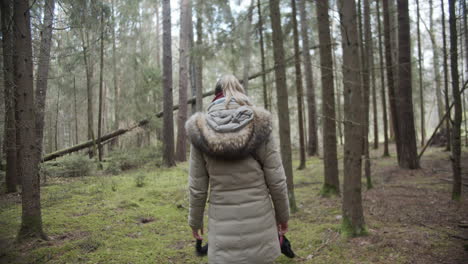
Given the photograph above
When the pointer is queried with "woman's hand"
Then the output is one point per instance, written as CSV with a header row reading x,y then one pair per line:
x,y
196,234
283,228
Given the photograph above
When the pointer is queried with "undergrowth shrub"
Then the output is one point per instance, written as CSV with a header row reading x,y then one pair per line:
x,y
68,166
140,180
126,159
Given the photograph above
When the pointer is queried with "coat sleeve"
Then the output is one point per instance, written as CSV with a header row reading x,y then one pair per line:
x,y
275,178
198,188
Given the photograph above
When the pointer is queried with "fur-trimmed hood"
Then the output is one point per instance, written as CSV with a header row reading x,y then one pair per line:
x,y
231,132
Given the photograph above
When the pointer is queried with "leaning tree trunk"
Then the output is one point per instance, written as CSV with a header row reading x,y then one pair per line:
x,y
390,74
408,156
43,71
299,89
168,126
353,217
331,181
12,176
312,144
31,219
184,53
446,95
457,120
282,99
382,85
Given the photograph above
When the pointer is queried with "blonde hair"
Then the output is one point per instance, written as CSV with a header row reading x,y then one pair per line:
x,y
232,88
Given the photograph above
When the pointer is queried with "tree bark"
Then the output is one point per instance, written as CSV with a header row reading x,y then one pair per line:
x,y
309,80
382,85
457,120
101,83
168,126
262,55
43,71
199,57
353,218
75,111
408,156
446,95
421,91
115,143
12,176
57,109
331,180
185,25
247,50
390,68
282,99
31,220
367,62
299,89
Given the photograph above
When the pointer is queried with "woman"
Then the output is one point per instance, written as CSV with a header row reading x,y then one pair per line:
x,y
233,154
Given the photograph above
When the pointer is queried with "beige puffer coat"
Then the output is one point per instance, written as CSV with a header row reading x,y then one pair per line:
x,y
234,156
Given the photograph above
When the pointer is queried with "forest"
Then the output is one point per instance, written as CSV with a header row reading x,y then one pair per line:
x,y
368,101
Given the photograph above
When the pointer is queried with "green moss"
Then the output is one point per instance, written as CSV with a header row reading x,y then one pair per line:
x,y
349,230
329,190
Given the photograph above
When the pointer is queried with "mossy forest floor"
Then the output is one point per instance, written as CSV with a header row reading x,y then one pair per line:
x,y
140,216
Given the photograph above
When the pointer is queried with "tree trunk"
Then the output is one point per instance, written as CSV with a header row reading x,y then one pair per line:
x,y
331,181
309,80
372,75
408,156
185,25
299,90
247,50
353,218
168,126
382,85
57,108
389,65
446,95
465,33
12,176
199,57
367,62
435,62
262,55
421,92
31,220
101,83
115,143
282,99
457,120
76,112
43,71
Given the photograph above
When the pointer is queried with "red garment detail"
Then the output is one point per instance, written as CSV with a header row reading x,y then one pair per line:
x,y
218,96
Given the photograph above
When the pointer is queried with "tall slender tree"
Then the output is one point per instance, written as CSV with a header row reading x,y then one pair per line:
x,y
199,56
28,156
457,120
11,177
382,84
115,141
299,89
247,47
421,91
43,70
168,126
408,155
101,84
368,62
312,144
353,217
435,62
330,160
282,99
446,90
184,52
262,55
389,67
